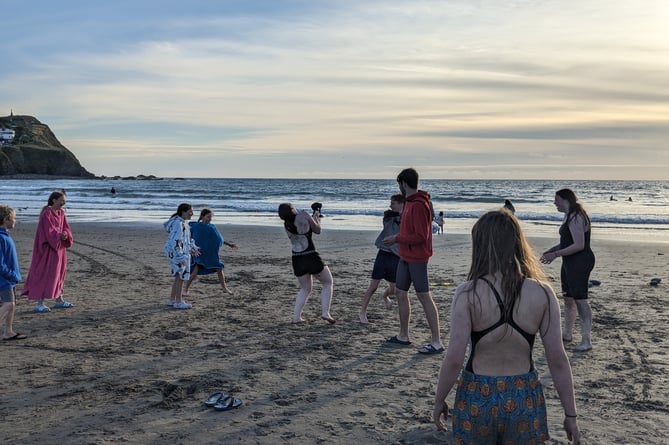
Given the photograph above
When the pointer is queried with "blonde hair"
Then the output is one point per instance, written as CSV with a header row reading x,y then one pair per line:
x,y
5,212
499,245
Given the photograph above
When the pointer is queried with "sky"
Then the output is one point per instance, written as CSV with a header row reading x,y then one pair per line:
x,y
480,89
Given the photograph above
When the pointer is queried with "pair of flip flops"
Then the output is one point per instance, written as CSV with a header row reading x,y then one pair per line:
x,y
221,401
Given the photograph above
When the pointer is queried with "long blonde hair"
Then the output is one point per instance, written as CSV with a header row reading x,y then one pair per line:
x,y
499,245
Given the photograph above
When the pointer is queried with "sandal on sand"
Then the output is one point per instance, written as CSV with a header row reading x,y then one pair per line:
x,y
16,336
41,308
63,305
228,403
397,341
215,398
429,349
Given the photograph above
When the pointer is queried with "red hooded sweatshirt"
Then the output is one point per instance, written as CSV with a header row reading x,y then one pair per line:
x,y
415,237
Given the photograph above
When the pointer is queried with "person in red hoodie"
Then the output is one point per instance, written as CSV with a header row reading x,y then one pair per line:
x,y
415,240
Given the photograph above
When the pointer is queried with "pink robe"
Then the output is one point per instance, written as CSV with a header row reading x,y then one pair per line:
x,y
49,262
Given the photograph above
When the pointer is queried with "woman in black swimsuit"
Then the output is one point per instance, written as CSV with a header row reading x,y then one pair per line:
x,y
306,261
578,260
499,311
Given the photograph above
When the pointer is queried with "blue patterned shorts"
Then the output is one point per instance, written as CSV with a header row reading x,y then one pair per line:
x,y
499,410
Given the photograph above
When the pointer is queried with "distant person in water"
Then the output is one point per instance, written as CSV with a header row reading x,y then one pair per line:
x,y
48,266
578,260
209,240
178,249
307,263
113,191
509,206
387,257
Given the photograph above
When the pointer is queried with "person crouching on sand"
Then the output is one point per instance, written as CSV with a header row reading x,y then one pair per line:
x,y
306,261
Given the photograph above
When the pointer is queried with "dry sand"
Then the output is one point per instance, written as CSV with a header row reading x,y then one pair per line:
x,y
121,367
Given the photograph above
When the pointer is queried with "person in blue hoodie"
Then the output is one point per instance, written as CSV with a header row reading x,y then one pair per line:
x,y
10,274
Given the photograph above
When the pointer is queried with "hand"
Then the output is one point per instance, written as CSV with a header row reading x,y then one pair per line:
x,y
548,257
233,246
440,409
63,236
390,240
571,428
196,252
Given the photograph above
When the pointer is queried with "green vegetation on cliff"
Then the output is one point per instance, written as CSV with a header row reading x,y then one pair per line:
x,y
34,150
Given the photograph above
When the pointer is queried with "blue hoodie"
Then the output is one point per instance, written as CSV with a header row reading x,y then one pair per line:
x,y
10,274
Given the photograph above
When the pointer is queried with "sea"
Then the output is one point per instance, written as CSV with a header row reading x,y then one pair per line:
x,y
620,210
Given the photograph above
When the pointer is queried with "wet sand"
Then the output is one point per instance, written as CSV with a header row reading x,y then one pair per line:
x,y
122,367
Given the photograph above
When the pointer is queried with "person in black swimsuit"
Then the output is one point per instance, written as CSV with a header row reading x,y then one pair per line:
x,y
306,261
499,310
578,260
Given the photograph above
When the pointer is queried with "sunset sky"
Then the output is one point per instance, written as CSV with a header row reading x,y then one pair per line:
x,y
347,88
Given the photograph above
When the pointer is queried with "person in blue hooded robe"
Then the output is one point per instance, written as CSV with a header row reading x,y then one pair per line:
x,y
209,239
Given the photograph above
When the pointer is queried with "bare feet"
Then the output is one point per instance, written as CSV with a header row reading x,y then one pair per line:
x,y
228,291
329,319
388,303
363,318
583,347
299,320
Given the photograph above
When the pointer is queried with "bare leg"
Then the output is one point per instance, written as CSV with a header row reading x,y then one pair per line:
x,y
373,285
585,314
390,290
7,319
404,312
193,276
325,277
569,319
176,289
221,279
432,316
302,295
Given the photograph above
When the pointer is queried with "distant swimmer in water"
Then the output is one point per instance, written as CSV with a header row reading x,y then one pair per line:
x,y
629,199
509,206
612,198
113,191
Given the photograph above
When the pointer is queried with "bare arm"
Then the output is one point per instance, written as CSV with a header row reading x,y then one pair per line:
x,y
455,354
577,228
304,222
558,364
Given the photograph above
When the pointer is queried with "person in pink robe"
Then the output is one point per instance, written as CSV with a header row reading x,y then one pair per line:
x,y
48,267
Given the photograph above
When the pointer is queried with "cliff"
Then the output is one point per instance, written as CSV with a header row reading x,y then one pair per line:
x,y
34,150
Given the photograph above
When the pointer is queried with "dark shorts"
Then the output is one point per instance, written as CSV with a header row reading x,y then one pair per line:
x,y
7,295
502,409
575,275
415,273
385,266
309,263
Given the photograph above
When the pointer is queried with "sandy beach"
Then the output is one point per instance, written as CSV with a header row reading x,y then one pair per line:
x,y
122,367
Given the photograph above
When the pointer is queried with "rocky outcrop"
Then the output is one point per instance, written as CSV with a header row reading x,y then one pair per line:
x,y
34,150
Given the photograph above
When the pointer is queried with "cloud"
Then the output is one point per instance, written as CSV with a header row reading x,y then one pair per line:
x,y
374,82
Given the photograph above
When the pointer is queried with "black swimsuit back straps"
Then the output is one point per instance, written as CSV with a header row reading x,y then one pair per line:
x,y
476,336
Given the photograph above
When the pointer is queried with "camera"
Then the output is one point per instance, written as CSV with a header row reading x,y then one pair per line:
x,y
316,207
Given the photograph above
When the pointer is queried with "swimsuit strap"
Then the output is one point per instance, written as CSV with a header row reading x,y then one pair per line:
x,y
476,336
